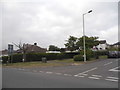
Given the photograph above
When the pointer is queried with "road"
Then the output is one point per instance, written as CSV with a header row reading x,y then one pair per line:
x,y
97,74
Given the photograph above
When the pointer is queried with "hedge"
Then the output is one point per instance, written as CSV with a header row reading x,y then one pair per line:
x,y
89,54
53,56
38,56
78,58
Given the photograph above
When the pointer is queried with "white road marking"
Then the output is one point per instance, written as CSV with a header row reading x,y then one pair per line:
x,y
114,69
67,75
83,73
113,77
96,76
78,76
49,72
41,71
107,63
112,80
93,77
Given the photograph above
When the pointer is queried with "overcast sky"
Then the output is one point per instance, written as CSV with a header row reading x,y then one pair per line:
x,y
51,22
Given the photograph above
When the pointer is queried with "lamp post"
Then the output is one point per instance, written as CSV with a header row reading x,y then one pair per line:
x,y
84,36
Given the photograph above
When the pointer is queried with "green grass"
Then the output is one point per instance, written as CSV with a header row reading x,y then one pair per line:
x,y
103,57
40,64
31,64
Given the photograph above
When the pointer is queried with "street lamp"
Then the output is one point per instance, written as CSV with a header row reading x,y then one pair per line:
x,y
84,36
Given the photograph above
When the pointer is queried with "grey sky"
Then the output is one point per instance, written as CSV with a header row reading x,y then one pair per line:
x,y
49,22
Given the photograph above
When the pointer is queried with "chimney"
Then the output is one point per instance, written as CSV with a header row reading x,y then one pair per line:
x,y
35,44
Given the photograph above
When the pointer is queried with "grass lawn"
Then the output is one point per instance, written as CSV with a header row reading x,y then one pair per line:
x,y
41,64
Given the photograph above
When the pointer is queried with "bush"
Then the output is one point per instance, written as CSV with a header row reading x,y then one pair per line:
x,y
17,58
78,58
5,59
89,54
100,53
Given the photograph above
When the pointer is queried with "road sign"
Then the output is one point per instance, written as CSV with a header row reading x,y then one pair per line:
x,y
10,49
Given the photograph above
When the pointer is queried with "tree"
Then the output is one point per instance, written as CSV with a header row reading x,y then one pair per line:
x,y
71,43
23,48
74,43
53,48
89,42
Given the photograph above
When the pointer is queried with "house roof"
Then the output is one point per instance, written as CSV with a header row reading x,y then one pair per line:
x,y
33,48
3,52
118,43
102,41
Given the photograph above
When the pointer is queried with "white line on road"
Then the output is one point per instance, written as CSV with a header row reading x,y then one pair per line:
x,y
112,80
96,76
113,77
49,72
114,69
41,71
107,63
93,77
67,75
87,71
78,76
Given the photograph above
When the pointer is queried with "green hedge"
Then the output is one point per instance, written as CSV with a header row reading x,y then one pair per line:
x,y
78,58
89,54
38,56
4,59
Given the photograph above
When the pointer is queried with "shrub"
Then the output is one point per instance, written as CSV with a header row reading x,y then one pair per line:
x,y
17,58
100,53
89,54
78,58
5,59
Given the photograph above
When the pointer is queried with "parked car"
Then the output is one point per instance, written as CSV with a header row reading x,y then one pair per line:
x,y
113,54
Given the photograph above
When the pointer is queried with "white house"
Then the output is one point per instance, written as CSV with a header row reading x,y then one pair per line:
x,y
102,46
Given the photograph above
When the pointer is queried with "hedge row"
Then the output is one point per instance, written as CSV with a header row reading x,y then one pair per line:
x,y
89,54
38,57
54,56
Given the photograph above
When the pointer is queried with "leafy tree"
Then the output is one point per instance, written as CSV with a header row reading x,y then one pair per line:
x,y
74,43
71,43
89,42
53,48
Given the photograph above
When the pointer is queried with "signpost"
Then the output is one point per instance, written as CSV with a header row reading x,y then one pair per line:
x,y
10,52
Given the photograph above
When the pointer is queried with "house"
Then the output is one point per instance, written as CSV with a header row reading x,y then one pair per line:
x,y
116,45
32,49
4,52
101,46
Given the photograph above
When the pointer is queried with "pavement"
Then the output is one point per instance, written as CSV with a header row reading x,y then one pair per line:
x,y
97,74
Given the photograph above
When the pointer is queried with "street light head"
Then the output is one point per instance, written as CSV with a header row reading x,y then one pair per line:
x,y
90,11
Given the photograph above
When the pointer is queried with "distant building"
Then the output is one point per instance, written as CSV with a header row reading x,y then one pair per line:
x,y
116,45
33,49
101,46
4,52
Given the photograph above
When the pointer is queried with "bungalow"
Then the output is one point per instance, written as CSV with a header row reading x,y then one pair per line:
x,y
33,49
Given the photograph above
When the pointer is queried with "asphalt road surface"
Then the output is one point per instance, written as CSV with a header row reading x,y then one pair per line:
x,y
97,74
